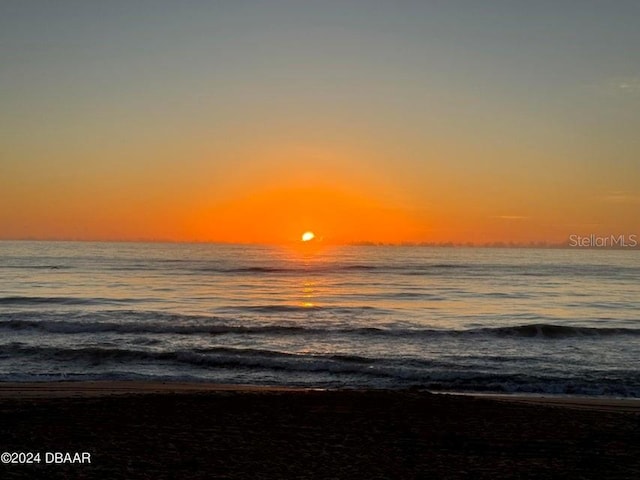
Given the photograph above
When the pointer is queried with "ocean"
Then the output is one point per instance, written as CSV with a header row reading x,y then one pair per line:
x,y
541,321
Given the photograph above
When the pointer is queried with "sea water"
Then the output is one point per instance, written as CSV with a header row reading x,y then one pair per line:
x,y
564,321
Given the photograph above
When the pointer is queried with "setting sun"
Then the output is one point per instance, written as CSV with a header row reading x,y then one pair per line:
x,y
308,236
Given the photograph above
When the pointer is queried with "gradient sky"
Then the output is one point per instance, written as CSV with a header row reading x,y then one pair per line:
x,y
252,121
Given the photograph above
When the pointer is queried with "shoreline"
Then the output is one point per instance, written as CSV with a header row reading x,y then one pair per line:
x,y
98,388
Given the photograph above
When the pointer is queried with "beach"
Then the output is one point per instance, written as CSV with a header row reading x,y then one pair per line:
x,y
199,430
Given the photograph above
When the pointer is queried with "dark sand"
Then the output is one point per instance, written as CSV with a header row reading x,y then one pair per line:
x,y
185,431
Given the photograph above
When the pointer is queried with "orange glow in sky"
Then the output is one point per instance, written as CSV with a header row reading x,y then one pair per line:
x,y
279,215
255,123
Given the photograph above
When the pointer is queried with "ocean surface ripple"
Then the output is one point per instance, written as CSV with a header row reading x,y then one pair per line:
x,y
451,319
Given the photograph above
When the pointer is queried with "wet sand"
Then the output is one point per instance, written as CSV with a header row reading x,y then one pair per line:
x,y
181,430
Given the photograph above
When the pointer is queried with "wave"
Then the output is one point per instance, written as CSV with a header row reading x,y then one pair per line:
x,y
214,357
287,270
403,266
70,327
62,326
300,308
555,331
25,300
323,370
37,267
332,268
186,326
252,270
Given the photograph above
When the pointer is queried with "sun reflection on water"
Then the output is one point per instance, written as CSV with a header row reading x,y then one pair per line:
x,y
308,294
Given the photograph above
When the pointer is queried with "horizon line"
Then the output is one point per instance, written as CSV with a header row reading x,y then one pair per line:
x,y
364,243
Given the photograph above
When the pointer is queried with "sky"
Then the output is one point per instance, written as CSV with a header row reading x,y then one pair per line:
x,y
384,121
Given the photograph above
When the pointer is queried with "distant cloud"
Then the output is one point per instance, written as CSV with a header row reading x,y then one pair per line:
x,y
621,197
510,217
630,85
623,86
581,225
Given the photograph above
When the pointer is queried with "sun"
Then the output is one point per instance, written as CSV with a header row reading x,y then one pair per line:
x,y
308,236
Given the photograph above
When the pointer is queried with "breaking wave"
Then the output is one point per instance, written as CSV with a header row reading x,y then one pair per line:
x,y
537,330
344,370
